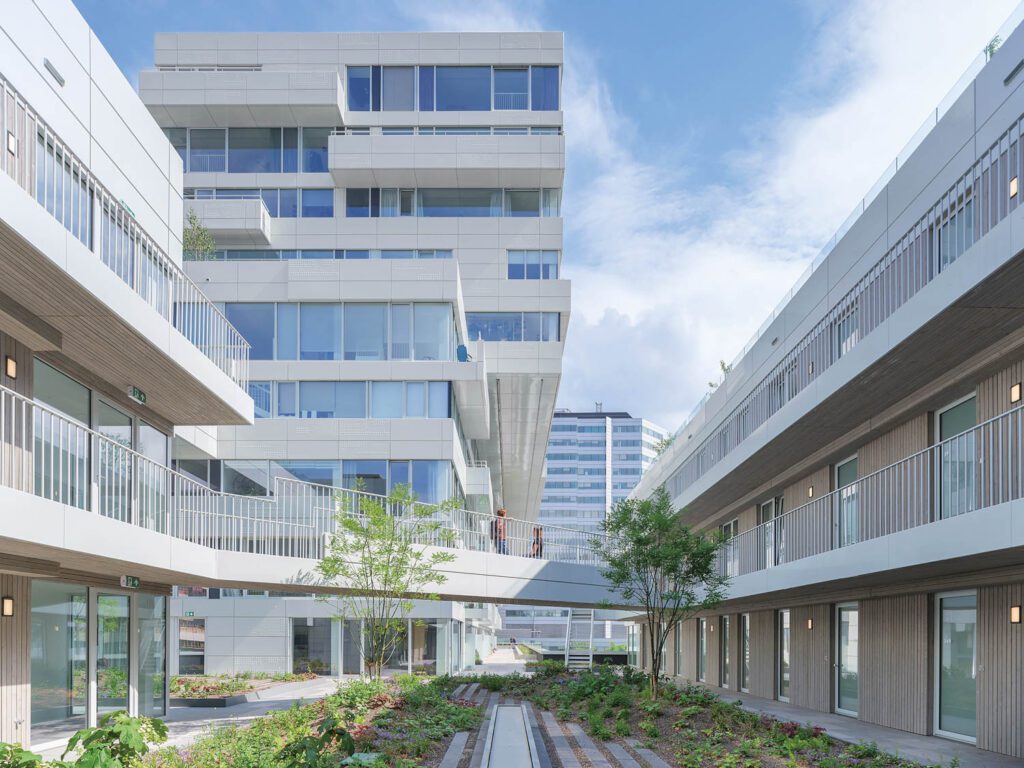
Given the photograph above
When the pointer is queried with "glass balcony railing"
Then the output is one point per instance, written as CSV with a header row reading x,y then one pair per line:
x,y
978,468
41,164
48,455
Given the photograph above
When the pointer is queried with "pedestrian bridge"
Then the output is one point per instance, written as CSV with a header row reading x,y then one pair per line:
x,y
74,502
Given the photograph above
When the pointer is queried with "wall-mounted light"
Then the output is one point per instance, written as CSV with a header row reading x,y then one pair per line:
x,y
810,623
810,491
6,607
1015,614
1015,393
11,367
1013,187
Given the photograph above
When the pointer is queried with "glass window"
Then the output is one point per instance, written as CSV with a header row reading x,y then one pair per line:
x,y
550,330
399,89
259,391
290,153
271,199
320,332
463,89
60,641
459,202
783,655
254,150
113,656
401,331
533,265
388,203
191,646
369,475
531,326
551,202
847,671
495,326
244,478
286,405
317,203
549,265
432,325
517,265
702,649
314,149
958,665
398,474
151,631
359,89
431,481
289,203
350,399
406,202
439,405
386,400
321,472
522,202
544,91
287,331
426,89
357,203
744,652
179,140
511,87
206,150
415,399
318,400
61,393
366,331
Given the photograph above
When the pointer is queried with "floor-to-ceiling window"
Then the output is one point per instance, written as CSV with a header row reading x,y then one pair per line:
x,y
702,649
744,670
767,513
956,665
724,656
847,519
847,670
782,650
957,465
59,658
351,647
151,631
191,646
113,658
313,643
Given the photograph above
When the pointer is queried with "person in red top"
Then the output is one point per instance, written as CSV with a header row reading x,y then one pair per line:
x,y
499,533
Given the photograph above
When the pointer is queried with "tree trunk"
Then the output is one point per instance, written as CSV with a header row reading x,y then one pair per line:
x,y
655,665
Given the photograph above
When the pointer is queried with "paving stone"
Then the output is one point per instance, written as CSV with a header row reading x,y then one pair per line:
x,y
457,693
538,737
453,754
563,751
619,752
652,760
588,747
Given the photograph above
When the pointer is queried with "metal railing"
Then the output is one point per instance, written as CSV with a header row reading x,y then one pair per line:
x,y
979,468
511,101
41,164
44,453
450,130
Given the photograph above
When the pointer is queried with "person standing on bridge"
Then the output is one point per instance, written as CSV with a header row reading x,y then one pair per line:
x,y
537,545
499,532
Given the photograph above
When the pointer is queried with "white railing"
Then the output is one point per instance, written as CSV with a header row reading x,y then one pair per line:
x,y
511,101
41,164
450,130
979,468
44,453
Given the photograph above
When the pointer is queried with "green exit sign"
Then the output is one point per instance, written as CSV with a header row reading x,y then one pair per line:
x,y
130,582
189,614
137,395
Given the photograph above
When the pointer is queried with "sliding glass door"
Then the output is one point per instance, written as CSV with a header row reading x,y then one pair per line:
x,y
847,671
956,657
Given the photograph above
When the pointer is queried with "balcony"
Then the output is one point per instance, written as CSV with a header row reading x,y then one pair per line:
x,y
242,98
508,157
112,297
234,223
953,506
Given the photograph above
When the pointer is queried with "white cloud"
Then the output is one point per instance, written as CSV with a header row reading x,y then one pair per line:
x,y
667,278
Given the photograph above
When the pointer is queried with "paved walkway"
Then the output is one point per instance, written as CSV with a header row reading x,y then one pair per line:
x,y
923,749
502,661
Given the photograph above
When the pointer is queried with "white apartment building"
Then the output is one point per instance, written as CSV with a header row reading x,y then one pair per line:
x,y
387,214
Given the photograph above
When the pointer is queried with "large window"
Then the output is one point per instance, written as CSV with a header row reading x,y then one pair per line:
x,y
956,661
389,202
702,649
473,88
353,331
847,654
316,202
782,658
251,150
60,620
191,646
533,265
954,427
513,326
744,665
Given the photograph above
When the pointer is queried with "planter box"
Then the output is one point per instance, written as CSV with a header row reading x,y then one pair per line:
x,y
213,702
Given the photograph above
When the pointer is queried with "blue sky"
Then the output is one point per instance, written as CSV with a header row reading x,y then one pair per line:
x,y
712,148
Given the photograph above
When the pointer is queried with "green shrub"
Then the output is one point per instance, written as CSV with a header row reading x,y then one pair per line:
x,y
622,726
546,668
319,751
649,728
13,756
119,741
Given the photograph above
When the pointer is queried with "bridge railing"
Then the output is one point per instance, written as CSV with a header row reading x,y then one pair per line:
x,y
46,453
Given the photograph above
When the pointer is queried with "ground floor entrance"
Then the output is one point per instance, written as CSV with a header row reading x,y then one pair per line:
x,y
90,651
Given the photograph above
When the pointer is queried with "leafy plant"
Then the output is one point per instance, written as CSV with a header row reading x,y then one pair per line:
x,y
13,756
378,556
326,749
657,562
120,741
197,242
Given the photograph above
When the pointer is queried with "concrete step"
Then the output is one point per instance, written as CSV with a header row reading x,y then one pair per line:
x,y
457,747
470,691
623,757
563,749
457,693
588,747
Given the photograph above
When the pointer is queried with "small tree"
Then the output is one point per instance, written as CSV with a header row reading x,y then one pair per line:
x,y
379,555
196,241
657,562
664,444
